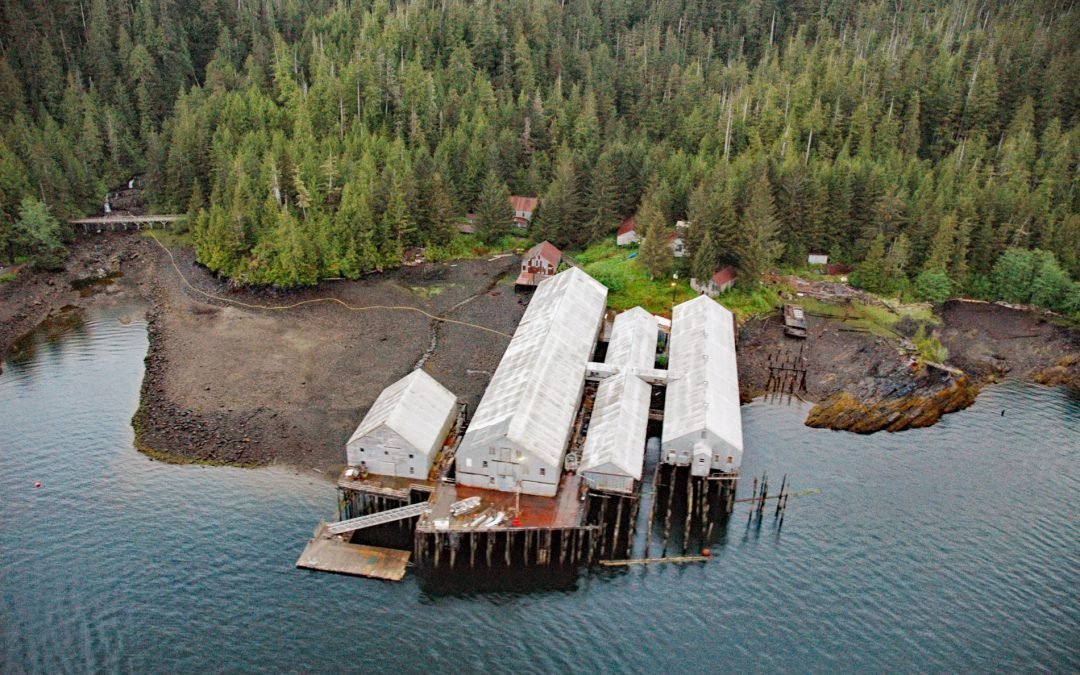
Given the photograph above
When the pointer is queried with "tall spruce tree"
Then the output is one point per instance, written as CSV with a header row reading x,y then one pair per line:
x,y
494,214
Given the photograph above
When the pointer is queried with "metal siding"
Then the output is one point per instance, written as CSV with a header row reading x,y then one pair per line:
x,y
533,396
702,401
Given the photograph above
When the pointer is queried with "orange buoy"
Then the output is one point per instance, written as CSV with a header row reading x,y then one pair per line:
x,y
706,552
37,484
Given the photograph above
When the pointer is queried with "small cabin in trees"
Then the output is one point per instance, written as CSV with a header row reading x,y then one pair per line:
x,y
405,428
523,210
678,239
628,233
717,283
817,259
539,263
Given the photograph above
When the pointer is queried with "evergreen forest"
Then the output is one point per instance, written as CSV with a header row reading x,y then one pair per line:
x,y
932,145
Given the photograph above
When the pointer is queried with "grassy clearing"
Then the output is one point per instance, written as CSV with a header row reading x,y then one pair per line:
x,y
627,281
7,276
465,246
930,348
874,318
629,285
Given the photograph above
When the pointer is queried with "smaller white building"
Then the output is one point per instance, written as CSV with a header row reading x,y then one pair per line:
x,y
614,450
627,233
405,428
817,259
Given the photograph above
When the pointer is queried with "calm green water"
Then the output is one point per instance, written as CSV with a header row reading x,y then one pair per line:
x,y
950,548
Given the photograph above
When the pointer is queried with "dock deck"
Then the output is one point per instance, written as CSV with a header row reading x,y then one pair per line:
x,y
564,510
327,553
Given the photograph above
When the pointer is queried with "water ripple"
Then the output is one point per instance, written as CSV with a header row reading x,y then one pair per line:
x,y
949,548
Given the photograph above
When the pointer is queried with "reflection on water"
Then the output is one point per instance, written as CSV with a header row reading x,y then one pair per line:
x,y
949,548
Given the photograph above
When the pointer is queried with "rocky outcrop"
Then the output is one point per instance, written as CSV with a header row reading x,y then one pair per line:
x,y
893,404
1065,372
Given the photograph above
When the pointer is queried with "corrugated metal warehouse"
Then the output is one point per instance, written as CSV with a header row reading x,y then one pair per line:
x,y
405,427
615,445
518,436
702,419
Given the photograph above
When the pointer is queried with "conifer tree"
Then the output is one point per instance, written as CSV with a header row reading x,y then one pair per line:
x,y
758,246
655,251
494,214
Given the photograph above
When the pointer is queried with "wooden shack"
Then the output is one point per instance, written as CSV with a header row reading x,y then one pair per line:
x,y
794,321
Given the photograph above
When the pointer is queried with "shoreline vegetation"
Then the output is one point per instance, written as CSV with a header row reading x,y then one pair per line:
x,y
207,397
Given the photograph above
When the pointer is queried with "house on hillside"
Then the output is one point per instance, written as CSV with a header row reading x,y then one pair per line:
x,y
523,210
405,428
539,263
717,284
627,233
817,259
678,239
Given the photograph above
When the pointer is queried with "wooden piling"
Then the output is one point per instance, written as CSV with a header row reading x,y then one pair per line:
x,y
689,511
778,501
667,516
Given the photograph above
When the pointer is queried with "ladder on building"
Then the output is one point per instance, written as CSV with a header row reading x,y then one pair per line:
x,y
393,515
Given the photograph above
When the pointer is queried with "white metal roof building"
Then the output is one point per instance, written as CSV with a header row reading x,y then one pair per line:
x,y
518,436
702,418
405,427
615,445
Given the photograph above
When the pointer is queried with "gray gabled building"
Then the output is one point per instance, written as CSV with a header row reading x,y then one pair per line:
x,y
517,438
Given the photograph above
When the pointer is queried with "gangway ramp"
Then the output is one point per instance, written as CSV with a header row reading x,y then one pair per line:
x,y
381,518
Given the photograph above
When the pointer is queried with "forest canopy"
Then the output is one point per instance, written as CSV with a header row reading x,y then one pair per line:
x,y
920,142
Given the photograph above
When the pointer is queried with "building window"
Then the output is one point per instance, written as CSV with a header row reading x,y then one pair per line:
x,y
386,452
485,463
410,456
491,451
543,471
410,470
361,450
730,460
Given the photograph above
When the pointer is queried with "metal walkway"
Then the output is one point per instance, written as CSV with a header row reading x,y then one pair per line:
x,y
393,515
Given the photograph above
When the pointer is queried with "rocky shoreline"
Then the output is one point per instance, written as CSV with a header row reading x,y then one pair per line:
x,y
247,387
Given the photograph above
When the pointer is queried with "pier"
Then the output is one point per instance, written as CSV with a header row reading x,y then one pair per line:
x,y
581,452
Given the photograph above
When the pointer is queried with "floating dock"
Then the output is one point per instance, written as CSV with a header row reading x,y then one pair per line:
x,y
327,553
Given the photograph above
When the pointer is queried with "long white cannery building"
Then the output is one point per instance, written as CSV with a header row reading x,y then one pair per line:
x,y
702,418
517,438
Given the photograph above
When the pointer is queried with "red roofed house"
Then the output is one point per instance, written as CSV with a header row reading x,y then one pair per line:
x,y
627,233
539,263
523,210
720,282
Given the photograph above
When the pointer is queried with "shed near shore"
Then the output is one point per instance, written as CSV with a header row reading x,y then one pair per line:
x,y
405,428
702,417
614,450
517,438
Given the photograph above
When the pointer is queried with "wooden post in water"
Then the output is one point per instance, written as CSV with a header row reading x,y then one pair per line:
x,y
778,499
752,504
764,494
603,525
689,511
667,517
652,508
618,522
